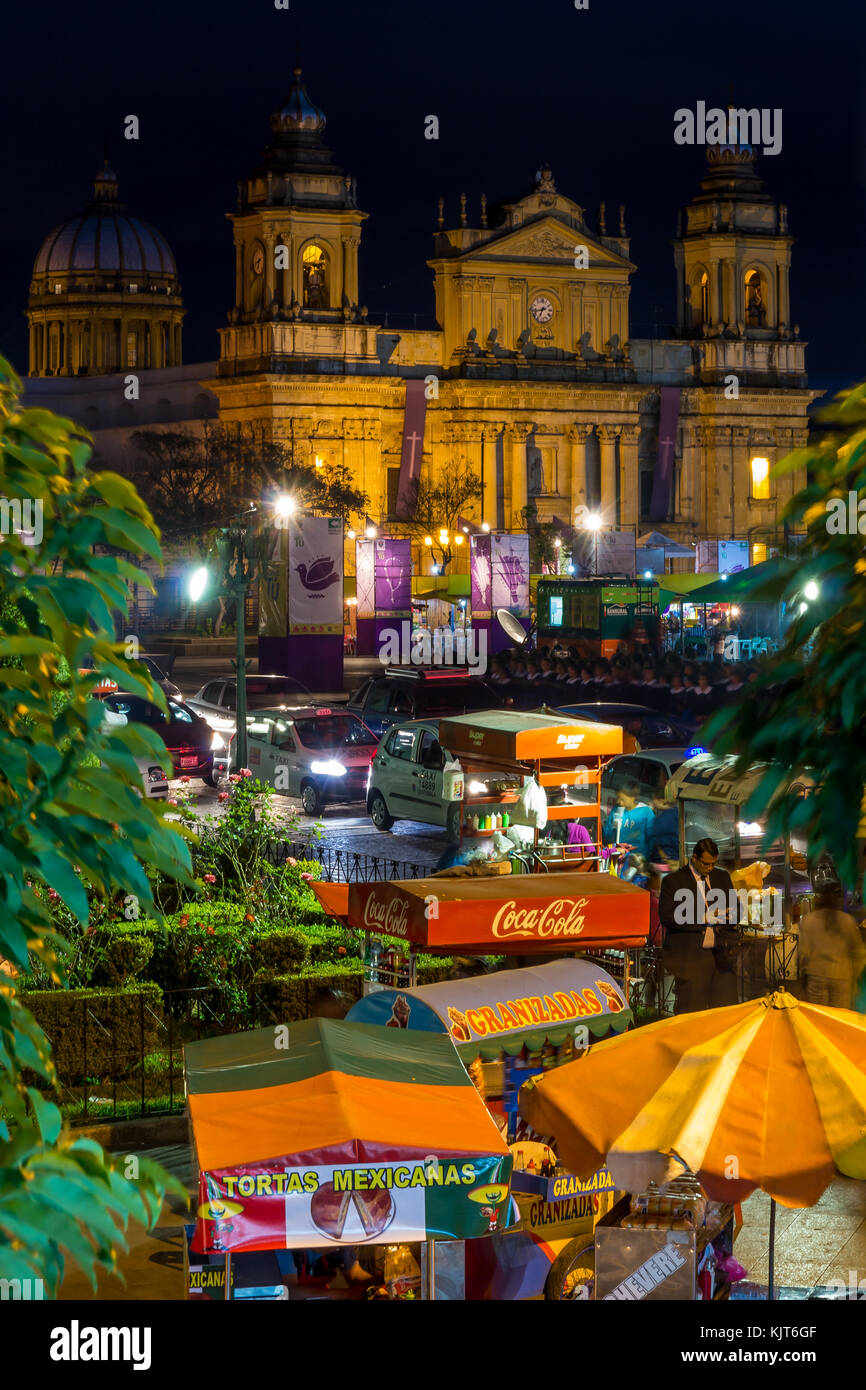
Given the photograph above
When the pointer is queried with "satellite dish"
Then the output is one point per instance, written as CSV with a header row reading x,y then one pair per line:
x,y
511,626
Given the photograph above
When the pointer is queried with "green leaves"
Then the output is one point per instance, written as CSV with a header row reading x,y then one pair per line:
x,y
72,818
808,709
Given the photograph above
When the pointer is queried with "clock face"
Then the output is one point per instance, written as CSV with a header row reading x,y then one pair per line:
x,y
258,260
541,309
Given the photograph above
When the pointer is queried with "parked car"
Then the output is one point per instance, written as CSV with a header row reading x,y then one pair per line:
x,y
403,694
157,675
154,783
319,754
217,701
648,726
188,738
407,778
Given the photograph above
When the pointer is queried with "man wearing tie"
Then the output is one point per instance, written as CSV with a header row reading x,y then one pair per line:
x,y
692,902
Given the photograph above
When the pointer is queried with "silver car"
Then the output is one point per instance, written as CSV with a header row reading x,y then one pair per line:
x,y
217,701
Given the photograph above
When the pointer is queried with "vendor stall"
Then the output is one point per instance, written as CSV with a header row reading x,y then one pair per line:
x,y
711,798
523,914
330,1133
564,755
509,1027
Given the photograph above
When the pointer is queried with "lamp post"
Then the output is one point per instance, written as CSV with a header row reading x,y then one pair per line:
x,y
242,552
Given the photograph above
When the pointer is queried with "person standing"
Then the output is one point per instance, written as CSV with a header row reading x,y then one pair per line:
x,y
831,950
690,908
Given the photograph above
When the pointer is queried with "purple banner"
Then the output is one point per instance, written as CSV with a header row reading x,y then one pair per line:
x,y
413,446
669,418
365,574
393,576
479,550
509,565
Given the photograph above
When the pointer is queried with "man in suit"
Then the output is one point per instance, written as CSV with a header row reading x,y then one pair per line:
x,y
693,901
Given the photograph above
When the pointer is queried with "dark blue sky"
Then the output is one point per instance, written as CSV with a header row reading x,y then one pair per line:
x,y
593,92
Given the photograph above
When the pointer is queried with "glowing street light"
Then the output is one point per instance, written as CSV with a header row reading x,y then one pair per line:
x,y
458,540
371,533
197,583
285,506
485,525
811,591
350,534
428,540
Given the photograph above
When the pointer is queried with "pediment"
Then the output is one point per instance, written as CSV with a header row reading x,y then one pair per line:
x,y
545,240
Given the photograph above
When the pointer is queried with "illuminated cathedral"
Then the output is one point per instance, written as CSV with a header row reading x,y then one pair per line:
x,y
531,377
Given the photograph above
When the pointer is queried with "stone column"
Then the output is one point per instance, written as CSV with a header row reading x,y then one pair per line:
x,y
239,275
577,437
629,477
515,471
489,436
608,436
270,270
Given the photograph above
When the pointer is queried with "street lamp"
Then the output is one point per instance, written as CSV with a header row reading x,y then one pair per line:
x,y
197,583
591,521
371,533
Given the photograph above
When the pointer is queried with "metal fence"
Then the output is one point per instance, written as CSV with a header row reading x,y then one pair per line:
x,y
347,866
116,1068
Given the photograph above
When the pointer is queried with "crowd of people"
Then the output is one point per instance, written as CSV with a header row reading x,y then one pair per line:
x,y
669,682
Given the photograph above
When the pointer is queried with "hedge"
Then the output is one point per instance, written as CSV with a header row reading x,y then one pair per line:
x,y
293,997
98,1032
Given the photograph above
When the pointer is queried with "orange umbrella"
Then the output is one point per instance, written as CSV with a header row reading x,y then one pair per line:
x,y
768,1094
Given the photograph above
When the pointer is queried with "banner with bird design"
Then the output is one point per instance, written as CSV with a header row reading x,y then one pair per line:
x,y
315,575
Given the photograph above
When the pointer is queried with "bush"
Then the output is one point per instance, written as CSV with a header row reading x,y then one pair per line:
x,y
293,997
124,956
283,952
98,1031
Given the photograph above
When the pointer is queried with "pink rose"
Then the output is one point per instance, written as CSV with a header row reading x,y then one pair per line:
x,y
308,878
210,878
245,772
292,863
223,796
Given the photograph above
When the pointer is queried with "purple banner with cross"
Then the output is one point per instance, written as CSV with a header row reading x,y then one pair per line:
x,y
413,447
393,576
663,482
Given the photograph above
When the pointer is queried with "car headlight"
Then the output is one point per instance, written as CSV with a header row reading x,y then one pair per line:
x,y
217,742
331,768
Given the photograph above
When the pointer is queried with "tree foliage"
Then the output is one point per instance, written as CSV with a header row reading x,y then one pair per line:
x,y
438,504
71,818
807,710
193,482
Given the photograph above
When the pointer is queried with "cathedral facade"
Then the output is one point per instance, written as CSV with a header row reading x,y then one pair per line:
x,y
531,378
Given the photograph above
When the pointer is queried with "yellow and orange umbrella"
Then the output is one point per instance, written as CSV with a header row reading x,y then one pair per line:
x,y
770,1094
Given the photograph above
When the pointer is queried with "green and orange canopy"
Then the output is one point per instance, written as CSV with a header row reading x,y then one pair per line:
x,y
340,1133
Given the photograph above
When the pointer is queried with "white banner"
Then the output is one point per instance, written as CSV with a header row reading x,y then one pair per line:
x,y
616,553
315,574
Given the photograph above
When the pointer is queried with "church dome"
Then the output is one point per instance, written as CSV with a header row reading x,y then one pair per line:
x,y
299,113
105,238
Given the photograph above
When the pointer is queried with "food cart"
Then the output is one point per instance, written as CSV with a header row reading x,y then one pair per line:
x,y
508,1027
710,797
497,746
327,1133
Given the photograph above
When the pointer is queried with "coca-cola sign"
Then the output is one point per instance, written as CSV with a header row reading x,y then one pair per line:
x,y
561,917
390,917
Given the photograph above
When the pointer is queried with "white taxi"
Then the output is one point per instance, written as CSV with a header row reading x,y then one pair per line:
x,y
412,777
315,753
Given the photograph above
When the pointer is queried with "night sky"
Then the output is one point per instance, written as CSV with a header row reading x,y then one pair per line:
x,y
592,92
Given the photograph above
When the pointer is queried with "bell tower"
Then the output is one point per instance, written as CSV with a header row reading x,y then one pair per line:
x,y
733,254
296,227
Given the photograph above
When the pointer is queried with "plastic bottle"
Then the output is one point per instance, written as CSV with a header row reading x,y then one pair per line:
x,y
505,820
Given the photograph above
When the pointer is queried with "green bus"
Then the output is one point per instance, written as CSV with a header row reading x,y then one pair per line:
x,y
597,616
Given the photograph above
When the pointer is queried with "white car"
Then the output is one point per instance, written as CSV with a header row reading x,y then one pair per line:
x,y
217,701
408,779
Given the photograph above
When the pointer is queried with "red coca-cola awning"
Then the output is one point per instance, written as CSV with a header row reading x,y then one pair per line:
x,y
523,914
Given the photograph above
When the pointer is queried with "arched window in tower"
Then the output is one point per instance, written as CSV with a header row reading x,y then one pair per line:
x,y
705,298
315,266
756,299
